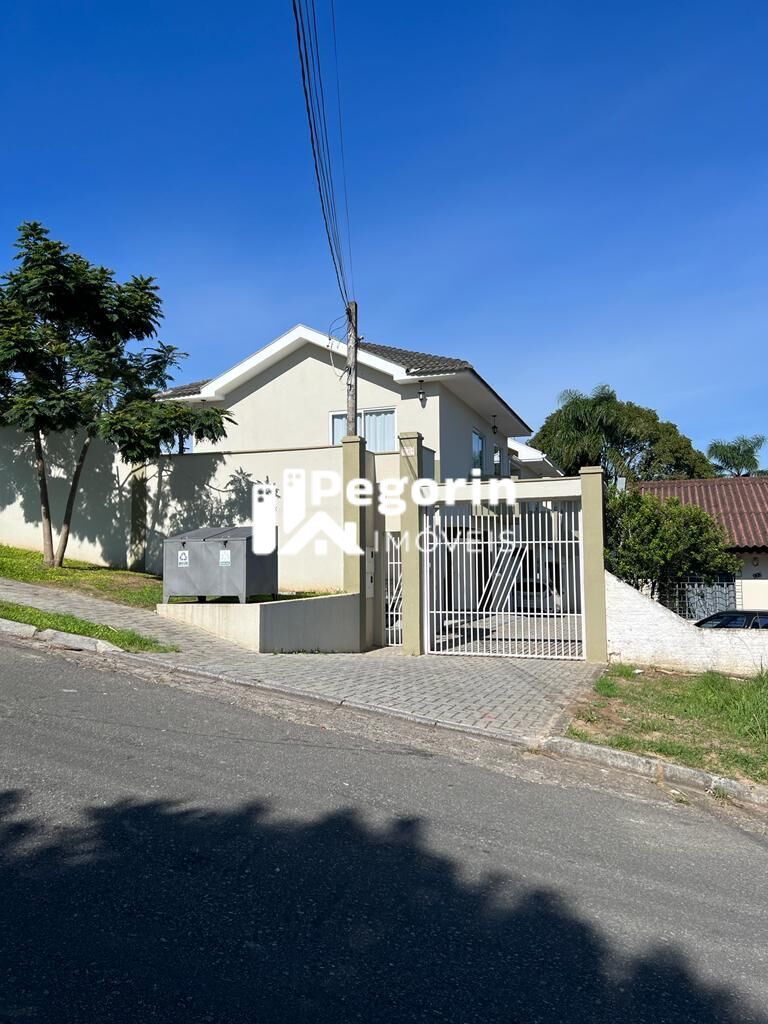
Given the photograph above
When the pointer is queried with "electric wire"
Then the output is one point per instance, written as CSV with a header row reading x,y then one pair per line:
x,y
305,17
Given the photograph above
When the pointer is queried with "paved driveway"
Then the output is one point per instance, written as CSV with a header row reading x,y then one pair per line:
x,y
513,698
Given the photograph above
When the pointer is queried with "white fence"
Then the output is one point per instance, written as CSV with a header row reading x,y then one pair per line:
x,y
393,591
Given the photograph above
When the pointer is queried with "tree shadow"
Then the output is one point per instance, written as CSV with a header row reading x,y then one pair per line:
x,y
177,493
103,510
155,911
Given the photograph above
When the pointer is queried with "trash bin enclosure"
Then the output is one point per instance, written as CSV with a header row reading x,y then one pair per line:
x,y
217,562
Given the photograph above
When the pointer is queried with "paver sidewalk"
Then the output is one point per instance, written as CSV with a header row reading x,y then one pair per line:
x,y
514,699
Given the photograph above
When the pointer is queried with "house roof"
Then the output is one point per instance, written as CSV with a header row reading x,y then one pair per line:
x,y
185,390
399,363
415,363
740,503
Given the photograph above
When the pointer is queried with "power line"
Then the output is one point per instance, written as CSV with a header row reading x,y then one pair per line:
x,y
341,144
305,17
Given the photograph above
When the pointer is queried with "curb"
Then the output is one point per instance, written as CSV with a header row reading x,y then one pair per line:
x,y
56,638
656,769
651,768
513,739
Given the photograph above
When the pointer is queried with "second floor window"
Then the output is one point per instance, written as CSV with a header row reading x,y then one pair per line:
x,y
377,426
478,451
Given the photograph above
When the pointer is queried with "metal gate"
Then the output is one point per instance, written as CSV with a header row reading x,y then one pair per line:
x,y
506,584
393,592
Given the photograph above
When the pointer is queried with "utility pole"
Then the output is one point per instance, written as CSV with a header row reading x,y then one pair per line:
x,y
352,369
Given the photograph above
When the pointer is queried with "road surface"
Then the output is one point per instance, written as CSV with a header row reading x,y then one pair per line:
x,y
170,854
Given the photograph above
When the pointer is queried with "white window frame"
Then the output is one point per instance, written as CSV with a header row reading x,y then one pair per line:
x,y
362,412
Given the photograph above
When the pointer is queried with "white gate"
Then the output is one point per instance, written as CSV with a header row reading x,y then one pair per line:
x,y
505,584
393,592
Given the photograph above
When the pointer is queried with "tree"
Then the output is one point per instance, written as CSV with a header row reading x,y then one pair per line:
x,y
69,362
653,540
738,457
627,440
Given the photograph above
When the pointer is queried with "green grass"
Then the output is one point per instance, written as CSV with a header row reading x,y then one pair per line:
x,y
127,639
138,589
705,721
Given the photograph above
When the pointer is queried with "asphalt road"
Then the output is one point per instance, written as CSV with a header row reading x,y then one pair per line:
x,y
166,856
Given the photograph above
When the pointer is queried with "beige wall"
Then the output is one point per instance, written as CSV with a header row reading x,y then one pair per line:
x,y
457,421
189,491
289,404
101,525
754,587
326,624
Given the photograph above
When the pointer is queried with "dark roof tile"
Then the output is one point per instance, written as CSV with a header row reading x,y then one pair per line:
x,y
740,503
184,390
416,363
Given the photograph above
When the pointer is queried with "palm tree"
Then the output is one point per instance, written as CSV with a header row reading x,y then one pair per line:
x,y
584,431
738,457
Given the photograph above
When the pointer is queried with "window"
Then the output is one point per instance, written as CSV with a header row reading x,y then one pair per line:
x,y
478,451
496,460
377,426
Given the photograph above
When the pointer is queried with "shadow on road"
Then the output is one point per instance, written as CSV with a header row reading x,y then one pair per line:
x,y
155,912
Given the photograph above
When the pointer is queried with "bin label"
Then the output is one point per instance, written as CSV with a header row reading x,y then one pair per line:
x,y
183,559
225,557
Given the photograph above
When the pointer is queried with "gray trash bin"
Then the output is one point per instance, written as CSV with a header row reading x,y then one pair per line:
x,y
216,562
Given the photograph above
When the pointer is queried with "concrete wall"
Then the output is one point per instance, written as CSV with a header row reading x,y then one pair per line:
x,y
643,632
327,624
268,414
101,525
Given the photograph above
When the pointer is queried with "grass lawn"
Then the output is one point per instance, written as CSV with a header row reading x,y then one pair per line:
x,y
139,589
125,638
705,721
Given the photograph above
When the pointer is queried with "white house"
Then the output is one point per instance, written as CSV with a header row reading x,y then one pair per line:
x,y
288,402
291,394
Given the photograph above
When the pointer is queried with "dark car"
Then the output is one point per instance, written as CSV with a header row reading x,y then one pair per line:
x,y
735,620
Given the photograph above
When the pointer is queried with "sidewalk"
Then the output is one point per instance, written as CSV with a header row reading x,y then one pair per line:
x,y
521,700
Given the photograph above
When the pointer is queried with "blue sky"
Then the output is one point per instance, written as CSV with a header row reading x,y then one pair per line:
x,y
564,193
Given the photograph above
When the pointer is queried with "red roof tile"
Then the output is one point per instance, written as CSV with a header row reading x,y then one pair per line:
x,y
740,503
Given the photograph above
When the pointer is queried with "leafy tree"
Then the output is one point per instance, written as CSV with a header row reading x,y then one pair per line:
x,y
69,362
653,540
627,440
738,457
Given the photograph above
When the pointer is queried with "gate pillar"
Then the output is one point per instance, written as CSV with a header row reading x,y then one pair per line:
x,y
593,568
411,468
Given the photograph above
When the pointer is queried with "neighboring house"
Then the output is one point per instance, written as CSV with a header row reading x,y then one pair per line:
x,y
741,504
291,394
527,462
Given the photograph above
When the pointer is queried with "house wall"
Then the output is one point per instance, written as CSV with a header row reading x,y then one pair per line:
x,y
754,586
214,489
289,404
643,632
457,421
101,525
